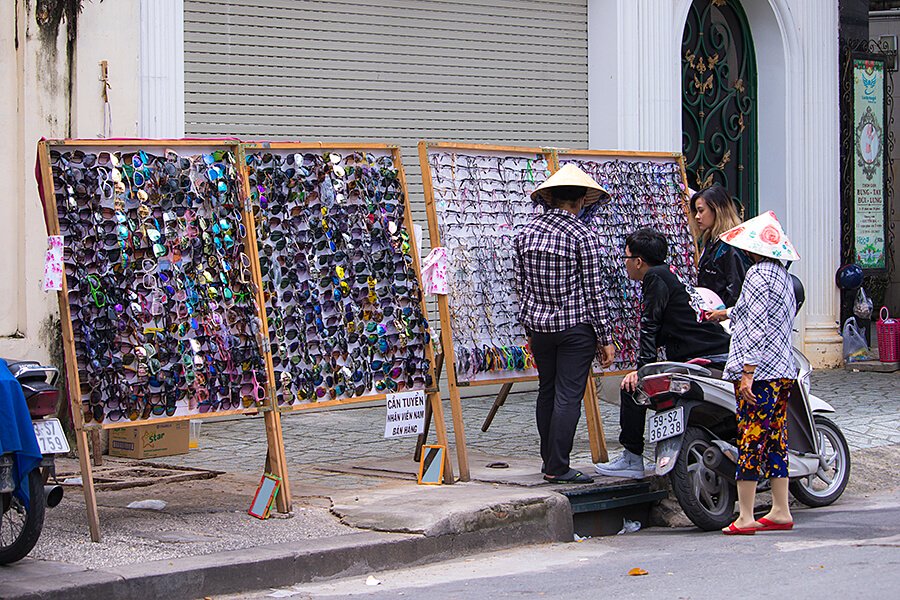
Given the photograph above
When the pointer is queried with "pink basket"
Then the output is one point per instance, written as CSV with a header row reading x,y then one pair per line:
x,y
888,337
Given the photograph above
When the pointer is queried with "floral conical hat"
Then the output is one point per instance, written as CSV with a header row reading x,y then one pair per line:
x,y
762,235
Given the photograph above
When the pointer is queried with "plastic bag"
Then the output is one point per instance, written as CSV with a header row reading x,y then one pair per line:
x,y
629,527
862,308
855,347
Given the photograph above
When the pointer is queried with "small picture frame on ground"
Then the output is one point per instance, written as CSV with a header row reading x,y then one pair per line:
x,y
264,499
431,467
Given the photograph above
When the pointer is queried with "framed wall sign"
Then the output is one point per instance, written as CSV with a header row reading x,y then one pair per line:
x,y
869,161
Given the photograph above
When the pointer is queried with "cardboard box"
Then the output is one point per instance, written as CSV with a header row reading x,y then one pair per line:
x,y
150,441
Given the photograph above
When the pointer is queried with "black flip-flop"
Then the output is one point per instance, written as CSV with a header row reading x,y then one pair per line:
x,y
572,476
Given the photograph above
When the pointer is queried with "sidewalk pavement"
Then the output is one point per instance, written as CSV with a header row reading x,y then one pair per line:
x,y
357,508
867,409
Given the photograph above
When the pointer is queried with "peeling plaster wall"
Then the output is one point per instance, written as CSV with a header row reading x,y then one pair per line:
x,y
49,87
10,58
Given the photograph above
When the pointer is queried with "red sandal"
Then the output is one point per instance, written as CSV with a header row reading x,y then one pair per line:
x,y
735,530
770,525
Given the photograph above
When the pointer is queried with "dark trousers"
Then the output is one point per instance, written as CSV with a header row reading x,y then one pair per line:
x,y
563,361
631,423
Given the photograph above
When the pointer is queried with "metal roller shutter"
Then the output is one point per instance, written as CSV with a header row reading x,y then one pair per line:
x,y
397,71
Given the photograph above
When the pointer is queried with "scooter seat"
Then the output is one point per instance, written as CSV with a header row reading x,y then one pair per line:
x,y
673,367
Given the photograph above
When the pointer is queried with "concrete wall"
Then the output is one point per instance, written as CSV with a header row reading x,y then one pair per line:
x,y
49,87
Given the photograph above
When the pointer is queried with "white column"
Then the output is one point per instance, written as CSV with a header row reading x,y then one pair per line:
x,y
162,68
814,212
649,42
603,71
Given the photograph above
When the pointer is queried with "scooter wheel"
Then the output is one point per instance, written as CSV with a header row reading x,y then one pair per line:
x,y
826,486
20,525
706,497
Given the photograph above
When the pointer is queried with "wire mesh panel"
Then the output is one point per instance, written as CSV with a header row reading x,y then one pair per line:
x,y
645,191
481,199
343,300
161,295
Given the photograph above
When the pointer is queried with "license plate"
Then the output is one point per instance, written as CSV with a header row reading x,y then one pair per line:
x,y
665,424
50,436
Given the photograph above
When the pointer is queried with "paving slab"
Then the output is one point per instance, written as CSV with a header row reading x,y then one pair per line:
x,y
873,366
524,471
448,510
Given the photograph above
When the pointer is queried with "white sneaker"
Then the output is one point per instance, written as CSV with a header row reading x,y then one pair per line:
x,y
628,465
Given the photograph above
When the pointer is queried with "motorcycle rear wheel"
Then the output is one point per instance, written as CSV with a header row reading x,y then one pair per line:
x,y
20,525
827,485
706,497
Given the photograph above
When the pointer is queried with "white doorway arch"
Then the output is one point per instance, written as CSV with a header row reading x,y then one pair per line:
x,y
634,71
786,160
779,71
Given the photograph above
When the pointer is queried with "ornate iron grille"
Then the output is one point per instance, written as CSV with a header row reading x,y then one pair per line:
x,y
719,100
875,283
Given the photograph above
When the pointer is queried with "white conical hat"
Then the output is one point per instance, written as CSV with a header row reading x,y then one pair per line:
x,y
762,235
571,175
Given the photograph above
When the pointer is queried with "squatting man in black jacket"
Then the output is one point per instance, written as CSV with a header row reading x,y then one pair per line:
x,y
667,320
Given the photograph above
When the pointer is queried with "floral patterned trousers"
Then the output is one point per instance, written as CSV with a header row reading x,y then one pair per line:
x,y
762,430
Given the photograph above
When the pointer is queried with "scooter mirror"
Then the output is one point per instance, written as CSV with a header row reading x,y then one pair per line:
x,y
799,292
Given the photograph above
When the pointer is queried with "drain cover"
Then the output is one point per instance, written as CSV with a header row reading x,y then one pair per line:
x,y
139,474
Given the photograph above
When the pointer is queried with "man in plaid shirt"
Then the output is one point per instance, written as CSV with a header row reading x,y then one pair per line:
x,y
561,308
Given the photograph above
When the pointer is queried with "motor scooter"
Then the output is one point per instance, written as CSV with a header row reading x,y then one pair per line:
x,y
695,431
21,523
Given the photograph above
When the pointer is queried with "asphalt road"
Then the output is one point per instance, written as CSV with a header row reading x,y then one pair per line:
x,y
849,550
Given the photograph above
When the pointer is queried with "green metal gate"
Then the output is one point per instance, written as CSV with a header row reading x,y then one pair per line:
x,y
719,100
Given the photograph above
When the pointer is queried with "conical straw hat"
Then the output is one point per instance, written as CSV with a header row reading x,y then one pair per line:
x,y
571,175
762,235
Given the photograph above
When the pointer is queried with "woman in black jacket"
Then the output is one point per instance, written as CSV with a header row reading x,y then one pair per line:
x,y
722,267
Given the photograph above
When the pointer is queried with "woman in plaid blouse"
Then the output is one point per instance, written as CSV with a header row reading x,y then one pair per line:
x,y
761,365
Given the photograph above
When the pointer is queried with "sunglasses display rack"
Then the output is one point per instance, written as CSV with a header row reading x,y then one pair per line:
x,y
161,297
477,197
346,315
646,190
206,278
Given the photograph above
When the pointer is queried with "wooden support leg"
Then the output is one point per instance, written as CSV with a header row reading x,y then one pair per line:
x,y
438,365
462,455
96,450
440,427
423,437
604,454
594,422
87,484
277,459
499,401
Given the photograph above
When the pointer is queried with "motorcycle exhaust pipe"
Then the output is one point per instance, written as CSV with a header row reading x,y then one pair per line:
x,y
715,460
53,495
